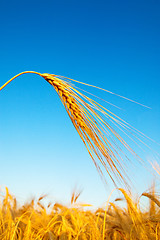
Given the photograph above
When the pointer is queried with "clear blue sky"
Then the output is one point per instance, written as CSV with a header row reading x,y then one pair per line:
x,y
111,44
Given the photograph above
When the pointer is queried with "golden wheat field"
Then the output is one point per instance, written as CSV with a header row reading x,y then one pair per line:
x,y
107,149
35,221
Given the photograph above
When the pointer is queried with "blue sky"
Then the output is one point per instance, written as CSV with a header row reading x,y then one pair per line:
x,y
111,44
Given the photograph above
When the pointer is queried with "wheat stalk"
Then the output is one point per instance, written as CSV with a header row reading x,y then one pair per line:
x,y
98,136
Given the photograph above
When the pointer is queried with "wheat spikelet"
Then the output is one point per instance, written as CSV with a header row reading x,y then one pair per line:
x,y
98,136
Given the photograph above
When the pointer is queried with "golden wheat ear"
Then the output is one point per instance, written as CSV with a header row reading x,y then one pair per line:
x,y
103,143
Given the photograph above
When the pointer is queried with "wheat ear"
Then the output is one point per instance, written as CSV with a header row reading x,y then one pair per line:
x,y
98,136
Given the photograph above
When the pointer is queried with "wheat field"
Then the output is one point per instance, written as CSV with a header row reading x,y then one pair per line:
x,y
96,127
33,220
